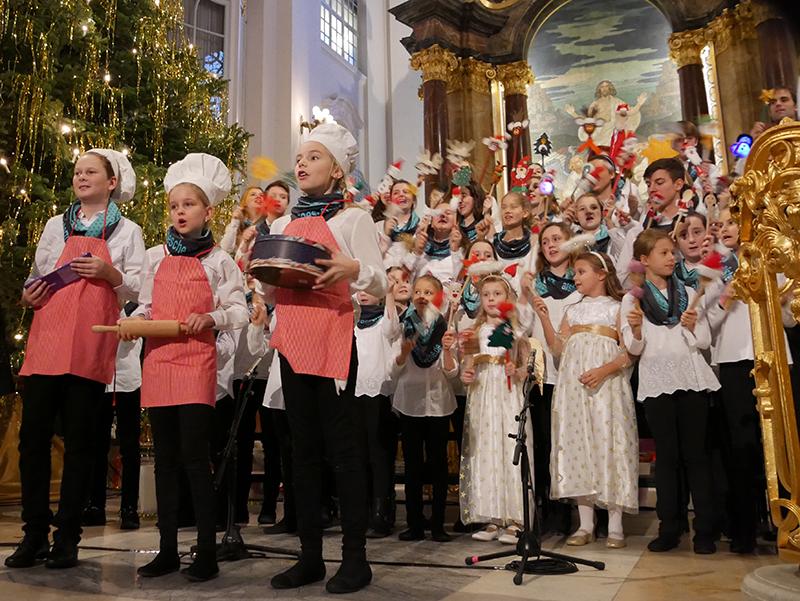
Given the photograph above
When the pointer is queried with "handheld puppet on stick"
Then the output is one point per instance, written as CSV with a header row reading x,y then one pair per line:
x,y
427,165
587,121
493,144
516,128
503,335
709,270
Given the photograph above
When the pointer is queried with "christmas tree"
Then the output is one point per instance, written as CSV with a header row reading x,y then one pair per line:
x,y
77,74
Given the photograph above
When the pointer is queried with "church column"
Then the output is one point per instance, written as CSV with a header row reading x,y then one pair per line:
x,y
470,112
516,77
684,50
776,43
436,64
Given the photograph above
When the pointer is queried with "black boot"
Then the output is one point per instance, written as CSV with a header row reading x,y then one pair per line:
x,y
204,567
31,548
308,569
128,519
285,526
353,575
267,516
379,526
165,562
64,554
93,516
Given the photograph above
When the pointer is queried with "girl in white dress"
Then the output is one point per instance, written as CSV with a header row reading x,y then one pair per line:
x,y
595,450
490,483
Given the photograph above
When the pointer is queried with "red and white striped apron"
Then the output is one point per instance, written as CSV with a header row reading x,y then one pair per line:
x,y
61,340
183,370
314,328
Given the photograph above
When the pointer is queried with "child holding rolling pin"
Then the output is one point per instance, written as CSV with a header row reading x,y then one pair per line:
x,y
191,280
66,366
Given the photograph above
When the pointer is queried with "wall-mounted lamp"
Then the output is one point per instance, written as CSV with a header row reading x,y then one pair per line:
x,y
319,116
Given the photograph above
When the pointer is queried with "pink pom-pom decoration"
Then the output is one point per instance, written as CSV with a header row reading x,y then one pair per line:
x,y
636,266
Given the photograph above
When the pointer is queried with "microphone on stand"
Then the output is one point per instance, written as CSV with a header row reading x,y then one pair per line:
x,y
532,363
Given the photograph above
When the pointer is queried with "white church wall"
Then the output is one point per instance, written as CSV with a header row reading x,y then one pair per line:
x,y
287,69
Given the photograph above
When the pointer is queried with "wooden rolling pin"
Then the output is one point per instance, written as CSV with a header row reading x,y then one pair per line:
x,y
165,328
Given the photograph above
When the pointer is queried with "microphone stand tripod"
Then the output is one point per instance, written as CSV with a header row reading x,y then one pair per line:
x,y
529,544
233,547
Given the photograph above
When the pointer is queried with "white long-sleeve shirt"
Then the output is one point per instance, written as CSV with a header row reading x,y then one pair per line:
x,y
227,341
731,329
224,277
128,368
669,356
423,391
375,355
125,246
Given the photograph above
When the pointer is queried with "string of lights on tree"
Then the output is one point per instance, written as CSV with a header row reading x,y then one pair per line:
x,y
77,74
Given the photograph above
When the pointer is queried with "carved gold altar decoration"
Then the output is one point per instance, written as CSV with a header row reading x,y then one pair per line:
x,y
766,201
10,488
435,62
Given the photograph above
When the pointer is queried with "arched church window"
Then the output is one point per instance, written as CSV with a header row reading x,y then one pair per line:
x,y
204,23
338,27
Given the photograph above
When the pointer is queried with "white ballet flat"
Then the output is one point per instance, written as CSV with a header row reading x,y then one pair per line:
x,y
509,536
489,533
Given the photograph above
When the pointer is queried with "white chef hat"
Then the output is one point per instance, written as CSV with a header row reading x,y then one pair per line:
x,y
203,170
126,176
339,142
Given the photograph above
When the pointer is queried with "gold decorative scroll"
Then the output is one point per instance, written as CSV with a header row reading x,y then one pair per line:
x,y
435,62
516,77
685,47
766,201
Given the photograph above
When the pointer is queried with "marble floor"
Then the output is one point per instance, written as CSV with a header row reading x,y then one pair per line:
x,y
109,558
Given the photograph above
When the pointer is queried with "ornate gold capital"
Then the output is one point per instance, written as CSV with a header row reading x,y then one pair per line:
x,y
685,47
751,14
515,77
435,62
478,75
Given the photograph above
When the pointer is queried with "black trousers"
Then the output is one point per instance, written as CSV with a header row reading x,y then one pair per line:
x,y
273,465
555,514
128,412
380,443
679,423
283,435
325,424
225,413
181,439
425,438
457,420
76,401
743,451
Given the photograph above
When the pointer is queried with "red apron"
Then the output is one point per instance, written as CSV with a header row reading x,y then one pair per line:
x,y
314,328
61,340
183,370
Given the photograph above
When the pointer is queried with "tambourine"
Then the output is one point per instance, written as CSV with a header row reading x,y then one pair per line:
x,y
287,261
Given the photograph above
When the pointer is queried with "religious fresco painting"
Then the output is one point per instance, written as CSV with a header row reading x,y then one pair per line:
x,y
594,56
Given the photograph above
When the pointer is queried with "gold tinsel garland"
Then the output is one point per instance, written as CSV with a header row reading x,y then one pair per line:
x,y
50,135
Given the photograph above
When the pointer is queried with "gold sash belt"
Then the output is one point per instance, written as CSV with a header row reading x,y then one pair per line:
x,y
492,359
594,329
